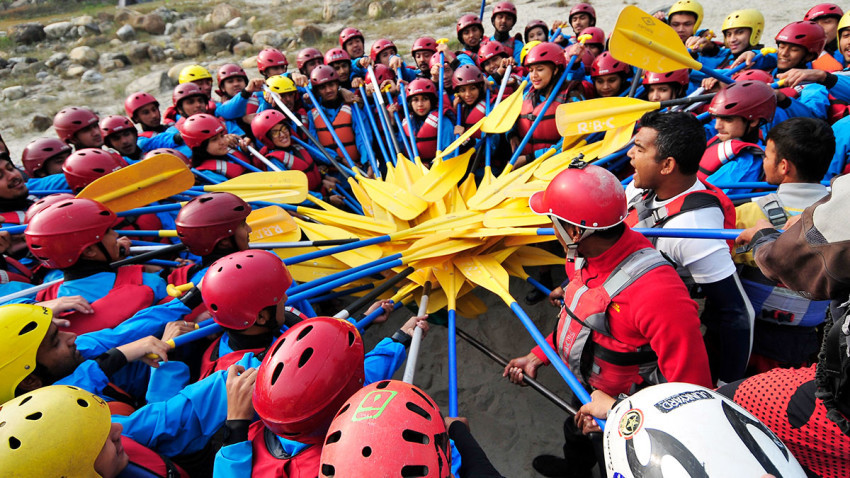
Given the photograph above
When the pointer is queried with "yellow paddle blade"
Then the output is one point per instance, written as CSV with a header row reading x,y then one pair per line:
x,y
398,201
280,196
140,184
362,197
352,258
272,224
644,41
600,114
616,139
504,116
459,141
454,201
315,268
535,256
488,177
529,239
264,180
470,306
514,218
441,249
342,218
442,177
450,281
468,188
487,273
514,266
448,222
554,165
525,191
496,192
402,176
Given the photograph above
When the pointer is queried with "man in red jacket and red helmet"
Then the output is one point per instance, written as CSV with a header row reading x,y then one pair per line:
x,y
611,332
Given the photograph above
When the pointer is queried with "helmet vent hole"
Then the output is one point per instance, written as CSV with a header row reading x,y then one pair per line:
x,y
304,332
731,105
203,200
104,213
238,266
328,470
25,400
14,443
279,344
82,403
414,436
277,370
350,338
424,397
413,471
418,410
367,451
214,307
34,416
383,384
305,356
343,409
799,37
99,170
28,328
333,437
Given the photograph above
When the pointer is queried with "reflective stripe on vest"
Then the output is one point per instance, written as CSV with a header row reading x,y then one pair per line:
x,y
343,126
13,217
719,153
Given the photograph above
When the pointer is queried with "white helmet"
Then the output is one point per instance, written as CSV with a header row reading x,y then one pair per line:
x,y
682,430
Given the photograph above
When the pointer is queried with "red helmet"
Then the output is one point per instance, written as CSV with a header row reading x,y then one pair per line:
x,y
42,204
753,74
503,7
467,75
424,44
323,74
270,57
336,54
170,151
380,45
421,86
198,128
39,151
307,375
230,70
240,285
384,73
605,64
680,77
207,219
489,50
306,55
583,8
823,10
587,58
589,197
72,119
808,35
137,100
115,124
384,428
546,53
466,21
747,99
60,232
348,34
86,165
596,35
263,123
186,90
535,24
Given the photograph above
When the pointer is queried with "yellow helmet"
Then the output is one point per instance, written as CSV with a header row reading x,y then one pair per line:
x,y
688,6
53,431
527,48
844,22
281,84
193,73
749,18
22,328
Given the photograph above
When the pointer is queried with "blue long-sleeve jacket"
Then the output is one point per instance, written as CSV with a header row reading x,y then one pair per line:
x,y
53,182
841,129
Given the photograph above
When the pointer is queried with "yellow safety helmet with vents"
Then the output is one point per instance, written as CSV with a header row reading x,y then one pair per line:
x,y
22,328
688,6
193,73
281,84
844,22
53,431
527,48
749,18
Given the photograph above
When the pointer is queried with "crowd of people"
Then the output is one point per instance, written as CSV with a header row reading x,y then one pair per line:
x,y
92,385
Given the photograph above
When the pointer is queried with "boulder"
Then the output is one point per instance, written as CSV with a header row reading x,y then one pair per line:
x,y
88,30
243,49
185,25
84,55
27,33
153,83
138,51
126,33
166,14
268,38
151,23
156,54
40,122
239,34
190,46
112,61
27,68
125,15
91,76
237,22
13,93
74,71
217,41
55,59
57,30
375,10
82,20
311,34
223,13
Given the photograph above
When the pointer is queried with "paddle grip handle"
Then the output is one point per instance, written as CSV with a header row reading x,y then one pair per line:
x,y
366,321
201,332
148,255
15,229
358,304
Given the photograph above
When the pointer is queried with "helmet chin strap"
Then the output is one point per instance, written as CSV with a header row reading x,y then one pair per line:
x,y
572,247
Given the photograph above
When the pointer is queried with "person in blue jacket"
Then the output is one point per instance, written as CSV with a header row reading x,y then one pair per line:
x,y
503,19
120,134
42,159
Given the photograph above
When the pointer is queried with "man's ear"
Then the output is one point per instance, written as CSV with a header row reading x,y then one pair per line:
x,y
30,382
264,317
669,165
90,251
786,167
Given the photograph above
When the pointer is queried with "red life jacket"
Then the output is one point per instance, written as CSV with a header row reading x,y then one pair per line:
x,y
426,137
147,134
297,158
128,296
182,275
470,116
223,167
837,109
719,153
13,217
639,211
24,273
343,124
269,459
546,134
151,461
587,346
211,362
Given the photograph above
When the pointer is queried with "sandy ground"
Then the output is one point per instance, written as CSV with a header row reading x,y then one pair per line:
x,y
513,424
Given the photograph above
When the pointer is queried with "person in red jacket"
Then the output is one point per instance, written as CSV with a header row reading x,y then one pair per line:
x,y
611,333
273,130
